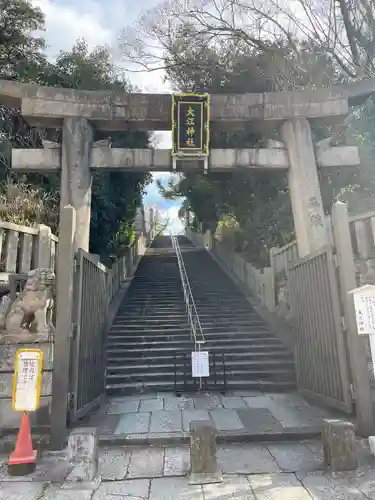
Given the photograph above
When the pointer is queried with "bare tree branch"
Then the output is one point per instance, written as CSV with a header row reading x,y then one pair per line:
x,y
343,29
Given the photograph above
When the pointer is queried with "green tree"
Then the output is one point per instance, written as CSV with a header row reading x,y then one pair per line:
x,y
21,51
116,195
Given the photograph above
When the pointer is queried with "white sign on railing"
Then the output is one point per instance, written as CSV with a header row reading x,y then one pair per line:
x,y
200,366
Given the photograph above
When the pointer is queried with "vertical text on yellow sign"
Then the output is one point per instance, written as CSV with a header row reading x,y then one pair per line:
x,y
206,140
200,104
35,355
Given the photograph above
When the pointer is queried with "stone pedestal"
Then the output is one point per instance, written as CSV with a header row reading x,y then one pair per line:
x,y
304,187
76,176
339,445
203,461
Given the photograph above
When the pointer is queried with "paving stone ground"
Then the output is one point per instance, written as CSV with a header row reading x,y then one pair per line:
x,y
282,471
167,415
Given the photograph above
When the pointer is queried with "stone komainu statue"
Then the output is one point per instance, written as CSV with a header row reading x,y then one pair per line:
x,y
28,318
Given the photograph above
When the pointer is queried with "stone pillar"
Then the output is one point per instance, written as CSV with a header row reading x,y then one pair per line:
x,y
207,240
203,461
304,187
76,176
44,246
339,445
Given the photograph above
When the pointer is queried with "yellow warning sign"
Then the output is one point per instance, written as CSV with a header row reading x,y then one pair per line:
x,y
27,380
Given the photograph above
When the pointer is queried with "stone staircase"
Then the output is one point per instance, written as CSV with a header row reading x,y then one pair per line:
x,y
255,357
151,328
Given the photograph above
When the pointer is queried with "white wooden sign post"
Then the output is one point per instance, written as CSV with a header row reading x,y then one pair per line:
x,y
27,380
364,304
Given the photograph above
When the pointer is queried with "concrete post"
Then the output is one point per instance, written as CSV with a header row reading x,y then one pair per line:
x,y
364,239
356,347
339,445
44,246
207,240
83,455
304,187
76,176
203,461
64,311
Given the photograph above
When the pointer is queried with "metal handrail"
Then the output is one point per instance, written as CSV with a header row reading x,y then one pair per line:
x,y
196,330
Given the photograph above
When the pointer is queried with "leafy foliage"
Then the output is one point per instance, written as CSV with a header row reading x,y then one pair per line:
x,y
21,51
27,205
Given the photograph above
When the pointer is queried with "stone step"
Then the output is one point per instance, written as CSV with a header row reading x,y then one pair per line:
x,y
207,328
134,315
241,357
156,350
232,366
184,334
148,321
224,342
275,374
186,341
168,386
180,308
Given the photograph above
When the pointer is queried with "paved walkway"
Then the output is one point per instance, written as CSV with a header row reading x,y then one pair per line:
x,y
279,471
166,417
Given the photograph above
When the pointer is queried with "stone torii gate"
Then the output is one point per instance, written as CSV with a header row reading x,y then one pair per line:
x,y
78,113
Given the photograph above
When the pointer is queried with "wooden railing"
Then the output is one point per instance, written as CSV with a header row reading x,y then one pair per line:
x,y
24,248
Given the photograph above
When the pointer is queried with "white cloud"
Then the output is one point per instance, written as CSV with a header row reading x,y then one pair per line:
x,y
64,25
163,140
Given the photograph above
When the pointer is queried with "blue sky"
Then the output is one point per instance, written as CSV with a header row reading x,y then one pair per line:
x,y
100,22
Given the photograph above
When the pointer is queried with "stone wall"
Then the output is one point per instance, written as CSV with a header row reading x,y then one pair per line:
x,y
9,419
258,281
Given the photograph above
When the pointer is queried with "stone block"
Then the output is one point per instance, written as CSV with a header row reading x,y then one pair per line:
x,y
339,445
203,460
83,454
8,355
10,420
6,384
371,442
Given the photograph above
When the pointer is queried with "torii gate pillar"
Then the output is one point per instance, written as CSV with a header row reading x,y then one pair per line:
x,y
76,176
304,187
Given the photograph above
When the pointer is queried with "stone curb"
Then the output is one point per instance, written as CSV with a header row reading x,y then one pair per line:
x,y
41,443
293,434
